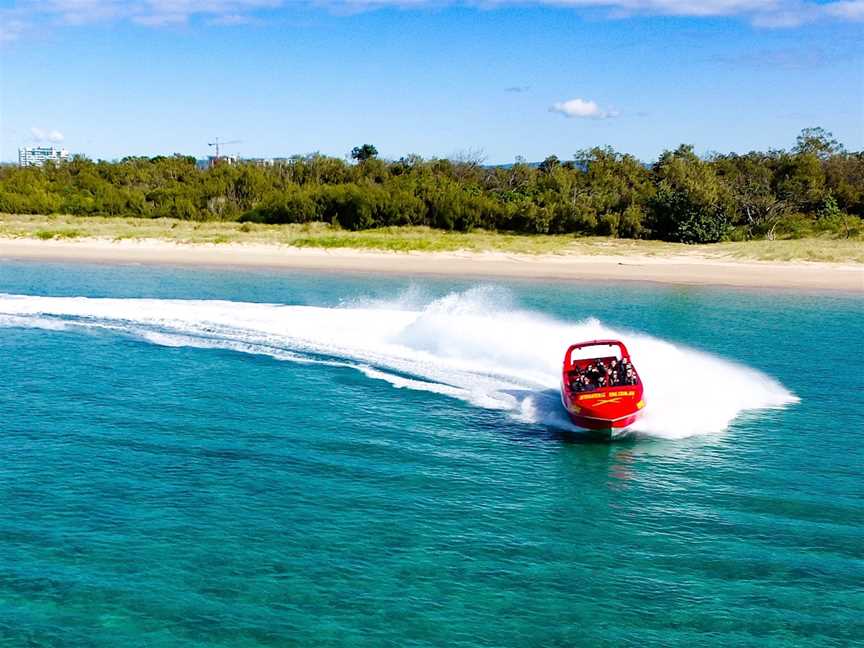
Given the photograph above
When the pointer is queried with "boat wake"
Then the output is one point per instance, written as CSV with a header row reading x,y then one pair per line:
x,y
474,345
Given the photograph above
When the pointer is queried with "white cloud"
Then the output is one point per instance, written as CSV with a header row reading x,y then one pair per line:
x,y
11,27
766,13
20,16
43,135
231,20
581,108
665,7
27,15
846,9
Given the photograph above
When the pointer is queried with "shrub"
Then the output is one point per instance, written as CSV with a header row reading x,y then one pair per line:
x,y
677,217
630,223
297,205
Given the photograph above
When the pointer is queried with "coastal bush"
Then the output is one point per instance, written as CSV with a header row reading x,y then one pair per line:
x,y
692,203
630,223
677,217
815,188
295,205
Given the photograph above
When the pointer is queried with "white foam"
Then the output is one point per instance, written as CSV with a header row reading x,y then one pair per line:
x,y
475,346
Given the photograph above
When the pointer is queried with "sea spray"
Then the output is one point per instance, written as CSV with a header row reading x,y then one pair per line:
x,y
477,346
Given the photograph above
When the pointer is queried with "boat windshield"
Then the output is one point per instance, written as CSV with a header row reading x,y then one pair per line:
x,y
595,349
592,353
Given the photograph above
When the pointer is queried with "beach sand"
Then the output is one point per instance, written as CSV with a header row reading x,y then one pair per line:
x,y
669,269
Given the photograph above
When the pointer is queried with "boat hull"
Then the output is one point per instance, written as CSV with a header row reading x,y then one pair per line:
x,y
603,424
612,410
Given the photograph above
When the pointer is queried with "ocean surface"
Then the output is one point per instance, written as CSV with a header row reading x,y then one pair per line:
x,y
199,457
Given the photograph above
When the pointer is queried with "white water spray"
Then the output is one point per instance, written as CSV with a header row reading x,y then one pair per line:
x,y
474,346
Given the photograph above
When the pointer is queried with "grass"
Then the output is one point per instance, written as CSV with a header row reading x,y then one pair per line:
x,y
825,249
411,239
46,234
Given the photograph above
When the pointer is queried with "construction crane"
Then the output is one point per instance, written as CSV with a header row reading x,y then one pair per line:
x,y
218,144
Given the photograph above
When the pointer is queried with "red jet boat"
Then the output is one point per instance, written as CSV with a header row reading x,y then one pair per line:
x,y
600,387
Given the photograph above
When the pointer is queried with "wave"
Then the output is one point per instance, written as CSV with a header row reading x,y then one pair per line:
x,y
476,345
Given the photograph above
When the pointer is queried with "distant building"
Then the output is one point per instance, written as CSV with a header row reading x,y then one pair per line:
x,y
268,162
39,155
213,161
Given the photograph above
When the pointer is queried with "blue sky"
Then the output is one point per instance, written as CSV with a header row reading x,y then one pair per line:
x,y
143,77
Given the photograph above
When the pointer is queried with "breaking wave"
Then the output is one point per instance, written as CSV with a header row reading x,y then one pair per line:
x,y
475,345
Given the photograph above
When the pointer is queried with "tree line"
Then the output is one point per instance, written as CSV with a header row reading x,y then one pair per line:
x,y
815,187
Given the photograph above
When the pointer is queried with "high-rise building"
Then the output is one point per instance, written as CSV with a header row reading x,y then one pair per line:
x,y
39,155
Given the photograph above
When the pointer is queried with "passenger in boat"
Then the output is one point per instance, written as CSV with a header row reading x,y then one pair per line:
x,y
579,382
614,373
624,371
602,373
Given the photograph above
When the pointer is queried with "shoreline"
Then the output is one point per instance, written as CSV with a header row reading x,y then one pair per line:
x,y
673,269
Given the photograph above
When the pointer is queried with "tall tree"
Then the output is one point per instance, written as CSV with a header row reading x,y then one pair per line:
x,y
364,152
817,141
692,203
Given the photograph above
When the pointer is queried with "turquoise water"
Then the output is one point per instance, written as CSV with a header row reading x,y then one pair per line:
x,y
201,457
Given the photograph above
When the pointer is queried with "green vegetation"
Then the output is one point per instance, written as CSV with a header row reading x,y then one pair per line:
x,y
68,233
413,239
814,190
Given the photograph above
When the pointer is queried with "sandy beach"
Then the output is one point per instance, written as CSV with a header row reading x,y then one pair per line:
x,y
684,269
